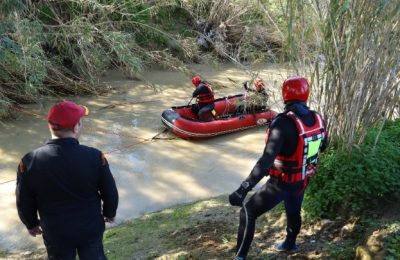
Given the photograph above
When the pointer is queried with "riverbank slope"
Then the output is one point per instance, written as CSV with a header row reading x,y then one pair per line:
x,y
207,230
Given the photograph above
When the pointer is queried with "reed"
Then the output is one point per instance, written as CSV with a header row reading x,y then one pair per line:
x,y
355,67
63,47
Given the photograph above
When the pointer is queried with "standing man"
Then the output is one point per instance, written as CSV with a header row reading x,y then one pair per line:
x,y
65,183
290,158
205,99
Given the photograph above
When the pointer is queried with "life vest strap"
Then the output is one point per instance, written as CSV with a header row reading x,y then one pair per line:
x,y
295,175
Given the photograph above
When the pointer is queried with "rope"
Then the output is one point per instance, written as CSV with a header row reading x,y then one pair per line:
x,y
94,129
123,148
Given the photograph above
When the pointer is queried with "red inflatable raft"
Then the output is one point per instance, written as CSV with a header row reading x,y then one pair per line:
x,y
181,120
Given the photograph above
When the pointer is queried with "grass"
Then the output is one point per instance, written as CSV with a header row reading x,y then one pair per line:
x,y
207,230
160,233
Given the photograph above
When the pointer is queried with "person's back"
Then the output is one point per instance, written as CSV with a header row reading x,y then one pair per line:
x,y
65,183
65,176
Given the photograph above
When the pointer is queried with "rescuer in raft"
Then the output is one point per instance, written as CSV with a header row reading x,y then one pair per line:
x,y
204,107
290,158
255,98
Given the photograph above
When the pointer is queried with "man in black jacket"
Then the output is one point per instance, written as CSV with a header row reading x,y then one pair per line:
x,y
65,183
290,158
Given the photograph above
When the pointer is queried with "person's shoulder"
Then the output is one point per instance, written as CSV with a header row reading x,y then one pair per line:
x,y
28,156
282,117
37,150
205,84
94,154
89,149
281,120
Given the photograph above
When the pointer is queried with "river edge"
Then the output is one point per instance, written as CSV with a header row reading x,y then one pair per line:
x,y
206,229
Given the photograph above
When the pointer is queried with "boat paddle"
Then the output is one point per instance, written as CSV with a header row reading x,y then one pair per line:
x,y
190,101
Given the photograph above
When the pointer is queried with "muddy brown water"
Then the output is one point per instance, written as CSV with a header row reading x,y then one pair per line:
x,y
150,174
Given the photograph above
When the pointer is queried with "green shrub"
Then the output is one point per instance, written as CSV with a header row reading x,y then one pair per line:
x,y
393,246
352,182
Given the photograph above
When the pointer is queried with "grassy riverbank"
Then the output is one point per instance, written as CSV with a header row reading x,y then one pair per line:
x,y
207,230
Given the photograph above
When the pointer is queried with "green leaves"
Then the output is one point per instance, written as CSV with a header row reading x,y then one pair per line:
x,y
349,183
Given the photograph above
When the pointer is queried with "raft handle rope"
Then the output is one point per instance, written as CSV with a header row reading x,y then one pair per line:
x,y
226,109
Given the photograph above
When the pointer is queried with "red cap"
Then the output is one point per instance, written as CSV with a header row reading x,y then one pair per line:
x,y
65,115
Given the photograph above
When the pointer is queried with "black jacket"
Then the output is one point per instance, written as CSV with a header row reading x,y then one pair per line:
x,y
65,183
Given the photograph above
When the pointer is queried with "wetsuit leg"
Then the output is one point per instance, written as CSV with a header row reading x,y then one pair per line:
x,y
262,201
195,108
205,112
293,216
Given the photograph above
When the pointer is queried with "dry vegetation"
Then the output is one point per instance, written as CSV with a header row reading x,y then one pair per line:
x,y
356,66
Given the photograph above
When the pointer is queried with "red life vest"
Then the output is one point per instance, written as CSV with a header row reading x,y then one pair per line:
x,y
304,162
205,97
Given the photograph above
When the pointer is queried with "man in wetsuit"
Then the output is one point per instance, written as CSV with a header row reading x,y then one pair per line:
x,y
66,183
205,99
290,158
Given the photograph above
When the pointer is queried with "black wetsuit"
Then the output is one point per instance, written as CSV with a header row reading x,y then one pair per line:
x,y
65,183
283,138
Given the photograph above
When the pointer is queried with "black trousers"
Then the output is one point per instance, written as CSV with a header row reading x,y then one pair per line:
x,y
66,250
204,110
271,194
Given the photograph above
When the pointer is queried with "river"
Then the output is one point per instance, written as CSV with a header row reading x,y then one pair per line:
x,y
151,174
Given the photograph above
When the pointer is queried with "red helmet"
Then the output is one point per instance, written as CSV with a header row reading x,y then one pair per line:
x,y
295,88
196,80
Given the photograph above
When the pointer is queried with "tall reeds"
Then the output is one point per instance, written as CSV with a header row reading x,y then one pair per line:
x,y
356,71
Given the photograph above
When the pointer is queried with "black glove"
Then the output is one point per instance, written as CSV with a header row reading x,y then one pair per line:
x,y
237,197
